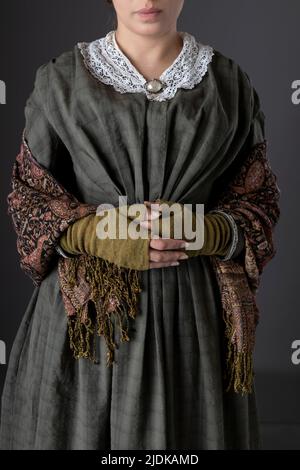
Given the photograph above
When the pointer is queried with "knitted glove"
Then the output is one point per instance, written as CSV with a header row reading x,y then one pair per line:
x,y
81,237
217,232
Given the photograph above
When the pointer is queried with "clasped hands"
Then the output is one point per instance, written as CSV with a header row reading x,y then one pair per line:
x,y
144,253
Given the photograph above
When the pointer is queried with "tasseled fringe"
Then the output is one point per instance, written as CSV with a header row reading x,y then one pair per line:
x,y
238,372
114,290
239,312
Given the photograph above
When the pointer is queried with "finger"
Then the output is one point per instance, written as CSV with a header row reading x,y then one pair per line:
x,y
149,222
154,265
168,243
150,214
154,205
153,214
166,256
146,224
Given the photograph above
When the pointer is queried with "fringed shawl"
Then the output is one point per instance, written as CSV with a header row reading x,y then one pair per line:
x,y
41,209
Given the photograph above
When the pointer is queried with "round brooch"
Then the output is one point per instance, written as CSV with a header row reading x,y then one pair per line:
x,y
154,86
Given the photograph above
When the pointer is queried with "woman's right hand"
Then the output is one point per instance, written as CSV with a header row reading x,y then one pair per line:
x,y
163,252
140,253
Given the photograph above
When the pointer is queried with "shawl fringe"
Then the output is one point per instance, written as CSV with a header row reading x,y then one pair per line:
x,y
99,295
251,196
113,290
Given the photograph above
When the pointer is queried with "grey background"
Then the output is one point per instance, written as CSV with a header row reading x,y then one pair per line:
x,y
263,37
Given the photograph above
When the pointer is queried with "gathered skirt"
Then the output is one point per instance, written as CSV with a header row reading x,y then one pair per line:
x,y
164,391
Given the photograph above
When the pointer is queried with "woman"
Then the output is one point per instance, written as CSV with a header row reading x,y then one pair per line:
x,y
152,114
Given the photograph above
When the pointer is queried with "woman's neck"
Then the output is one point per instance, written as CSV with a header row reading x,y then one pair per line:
x,y
150,55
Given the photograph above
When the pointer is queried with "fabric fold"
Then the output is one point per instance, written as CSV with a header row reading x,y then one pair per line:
x,y
41,209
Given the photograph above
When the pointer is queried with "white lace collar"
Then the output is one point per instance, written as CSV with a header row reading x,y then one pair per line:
x,y
105,61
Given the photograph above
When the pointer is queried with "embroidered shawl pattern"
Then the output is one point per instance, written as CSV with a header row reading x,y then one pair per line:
x,y
41,210
92,288
252,198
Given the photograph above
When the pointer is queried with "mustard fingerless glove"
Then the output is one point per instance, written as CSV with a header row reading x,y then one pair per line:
x,y
81,237
217,236
217,232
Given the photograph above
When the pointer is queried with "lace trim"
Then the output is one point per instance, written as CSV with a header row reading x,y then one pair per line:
x,y
107,63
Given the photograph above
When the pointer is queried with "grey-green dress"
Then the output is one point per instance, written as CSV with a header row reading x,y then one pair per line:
x,y
165,390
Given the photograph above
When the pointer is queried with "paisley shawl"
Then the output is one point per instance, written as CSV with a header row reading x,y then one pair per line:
x,y
41,209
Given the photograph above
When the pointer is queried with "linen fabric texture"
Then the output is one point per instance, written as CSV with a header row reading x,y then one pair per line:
x,y
181,337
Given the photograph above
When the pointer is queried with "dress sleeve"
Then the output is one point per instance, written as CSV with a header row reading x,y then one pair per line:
x,y
248,192
43,201
41,136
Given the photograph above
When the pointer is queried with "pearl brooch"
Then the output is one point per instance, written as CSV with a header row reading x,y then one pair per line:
x,y
154,86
